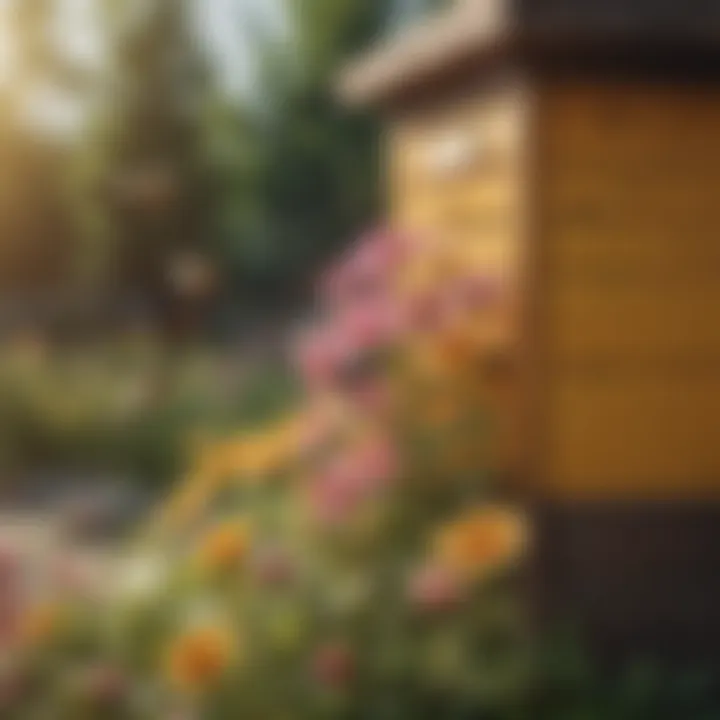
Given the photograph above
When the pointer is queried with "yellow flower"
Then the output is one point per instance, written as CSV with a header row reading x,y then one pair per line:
x,y
255,456
225,546
200,657
270,450
40,623
187,504
249,457
481,541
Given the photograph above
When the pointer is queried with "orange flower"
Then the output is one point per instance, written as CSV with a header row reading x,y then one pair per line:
x,y
183,507
39,624
481,541
251,456
225,547
199,658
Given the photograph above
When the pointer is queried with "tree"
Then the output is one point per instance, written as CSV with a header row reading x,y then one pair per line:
x,y
150,169
299,170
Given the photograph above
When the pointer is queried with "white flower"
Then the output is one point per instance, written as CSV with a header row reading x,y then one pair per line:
x,y
141,577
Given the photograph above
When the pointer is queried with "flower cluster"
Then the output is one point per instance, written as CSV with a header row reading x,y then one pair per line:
x,y
350,559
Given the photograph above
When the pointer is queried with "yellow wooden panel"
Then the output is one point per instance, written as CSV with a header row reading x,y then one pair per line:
x,y
631,291
456,176
655,322
472,204
634,436
489,126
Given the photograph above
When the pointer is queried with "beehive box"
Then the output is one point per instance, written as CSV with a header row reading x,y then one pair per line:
x,y
573,148
629,292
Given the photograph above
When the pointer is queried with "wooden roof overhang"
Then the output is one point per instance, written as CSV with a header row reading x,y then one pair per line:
x,y
475,35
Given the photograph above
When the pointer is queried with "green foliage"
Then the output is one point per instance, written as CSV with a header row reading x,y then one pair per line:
x,y
266,185
570,686
143,180
124,411
298,171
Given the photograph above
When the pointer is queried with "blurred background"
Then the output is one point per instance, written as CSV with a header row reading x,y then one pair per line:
x,y
173,173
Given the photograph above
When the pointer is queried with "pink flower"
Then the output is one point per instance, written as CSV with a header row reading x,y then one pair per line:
x,y
320,356
71,575
317,430
433,588
425,312
376,462
435,309
366,269
273,567
333,665
335,497
380,251
344,355
476,292
373,397
370,325
353,479
10,569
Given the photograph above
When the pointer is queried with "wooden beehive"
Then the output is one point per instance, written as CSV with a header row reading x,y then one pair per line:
x,y
572,147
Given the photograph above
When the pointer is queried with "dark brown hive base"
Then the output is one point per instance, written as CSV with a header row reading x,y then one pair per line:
x,y
640,580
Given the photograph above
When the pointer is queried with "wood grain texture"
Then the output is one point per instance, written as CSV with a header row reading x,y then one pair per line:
x,y
631,289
